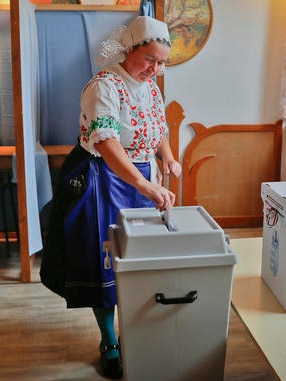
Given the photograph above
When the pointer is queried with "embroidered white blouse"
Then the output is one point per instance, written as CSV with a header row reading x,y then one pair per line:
x,y
114,104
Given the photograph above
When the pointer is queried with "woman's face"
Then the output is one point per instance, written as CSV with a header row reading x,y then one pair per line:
x,y
145,61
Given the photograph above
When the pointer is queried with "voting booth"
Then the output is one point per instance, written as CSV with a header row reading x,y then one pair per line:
x,y
174,280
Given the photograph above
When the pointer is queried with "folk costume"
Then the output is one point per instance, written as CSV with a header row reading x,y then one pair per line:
x,y
89,195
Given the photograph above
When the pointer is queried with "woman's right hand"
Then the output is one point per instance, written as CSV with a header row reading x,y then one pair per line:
x,y
116,158
162,197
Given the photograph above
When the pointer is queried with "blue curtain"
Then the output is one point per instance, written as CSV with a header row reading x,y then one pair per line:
x,y
68,44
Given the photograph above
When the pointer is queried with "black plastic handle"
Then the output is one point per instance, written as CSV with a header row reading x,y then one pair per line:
x,y
189,298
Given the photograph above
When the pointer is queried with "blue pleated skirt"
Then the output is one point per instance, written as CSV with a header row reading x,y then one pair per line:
x,y
87,200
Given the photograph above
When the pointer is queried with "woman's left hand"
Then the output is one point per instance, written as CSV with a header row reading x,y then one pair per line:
x,y
172,167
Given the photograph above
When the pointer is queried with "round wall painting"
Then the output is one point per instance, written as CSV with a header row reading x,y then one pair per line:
x,y
189,23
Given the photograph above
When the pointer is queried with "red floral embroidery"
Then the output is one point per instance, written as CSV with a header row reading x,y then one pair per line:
x,y
148,124
142,145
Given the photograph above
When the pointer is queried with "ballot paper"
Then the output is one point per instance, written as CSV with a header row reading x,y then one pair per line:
x,y
168,220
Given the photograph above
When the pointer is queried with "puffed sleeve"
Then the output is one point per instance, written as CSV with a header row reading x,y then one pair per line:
x,y
99,117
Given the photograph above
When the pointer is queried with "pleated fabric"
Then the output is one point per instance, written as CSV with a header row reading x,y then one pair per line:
x,y
87,200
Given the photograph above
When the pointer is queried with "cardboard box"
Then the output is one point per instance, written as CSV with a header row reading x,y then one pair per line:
x,y
273,269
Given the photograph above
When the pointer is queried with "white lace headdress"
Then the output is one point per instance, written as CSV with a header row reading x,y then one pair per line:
x,y
142,29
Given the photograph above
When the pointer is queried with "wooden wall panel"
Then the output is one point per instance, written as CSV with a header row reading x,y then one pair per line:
x,y
224,166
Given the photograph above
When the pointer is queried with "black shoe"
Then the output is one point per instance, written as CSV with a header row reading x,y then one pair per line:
x,y
112,368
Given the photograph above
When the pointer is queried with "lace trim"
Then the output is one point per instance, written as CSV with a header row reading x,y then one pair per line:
x,y
100,135
112,51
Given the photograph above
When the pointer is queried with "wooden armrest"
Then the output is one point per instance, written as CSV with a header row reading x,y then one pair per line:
x,y
6,153
56,155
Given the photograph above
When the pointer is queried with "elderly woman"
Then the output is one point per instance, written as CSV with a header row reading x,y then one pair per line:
x,y
122,130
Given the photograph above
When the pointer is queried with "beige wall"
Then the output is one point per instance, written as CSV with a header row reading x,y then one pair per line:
x,y
236,78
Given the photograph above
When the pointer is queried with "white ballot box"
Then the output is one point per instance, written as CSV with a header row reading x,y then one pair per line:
x,y
174,291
